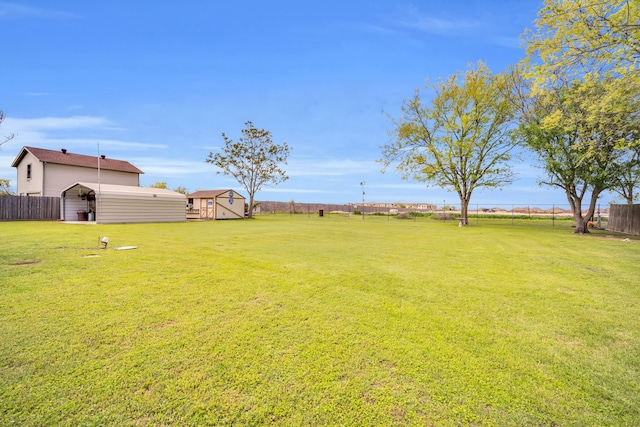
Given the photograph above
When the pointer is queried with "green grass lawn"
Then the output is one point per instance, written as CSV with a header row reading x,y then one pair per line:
x,y
318,321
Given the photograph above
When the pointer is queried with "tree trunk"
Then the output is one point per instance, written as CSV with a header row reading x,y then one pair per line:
x,y
464,209
575,203
630,198
250,215
581,224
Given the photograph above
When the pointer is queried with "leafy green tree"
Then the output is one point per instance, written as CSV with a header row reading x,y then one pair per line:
x,y
581,143
181,189
159,184
577,37
462,140
254,160
5,187
163,184
627,180
590,48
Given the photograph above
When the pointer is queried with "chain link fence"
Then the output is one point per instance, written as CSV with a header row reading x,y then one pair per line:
x,y
507,214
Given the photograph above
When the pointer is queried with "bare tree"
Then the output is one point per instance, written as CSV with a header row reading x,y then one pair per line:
x,y
7,137
5,187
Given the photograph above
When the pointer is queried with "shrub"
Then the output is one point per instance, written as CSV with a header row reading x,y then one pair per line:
x,y
420,214
446,216
404,215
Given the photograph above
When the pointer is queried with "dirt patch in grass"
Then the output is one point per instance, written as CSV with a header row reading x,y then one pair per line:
x,y
623,238
24,262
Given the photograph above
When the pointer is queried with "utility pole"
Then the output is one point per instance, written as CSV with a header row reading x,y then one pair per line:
x,y
362,185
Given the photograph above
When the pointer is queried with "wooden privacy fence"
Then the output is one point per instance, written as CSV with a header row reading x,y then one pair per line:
x,y
21,208
625,219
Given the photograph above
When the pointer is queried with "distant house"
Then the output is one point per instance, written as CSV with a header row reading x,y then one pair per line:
x,y
42,172
215,204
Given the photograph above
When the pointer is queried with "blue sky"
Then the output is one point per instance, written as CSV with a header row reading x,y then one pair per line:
x,y
156,83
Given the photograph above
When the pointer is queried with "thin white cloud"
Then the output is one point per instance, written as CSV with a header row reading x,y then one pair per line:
x,y
44,132
304,167
49,123
19,11
363,27
293,190
407,186
409,19
171,167
480,26
412,18
329,167
440,26
511,42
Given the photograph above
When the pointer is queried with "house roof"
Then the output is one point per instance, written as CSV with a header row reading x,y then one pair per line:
x,y
211,194
127,190
63,157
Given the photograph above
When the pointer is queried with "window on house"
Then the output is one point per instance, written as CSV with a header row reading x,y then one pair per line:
x,y
29,171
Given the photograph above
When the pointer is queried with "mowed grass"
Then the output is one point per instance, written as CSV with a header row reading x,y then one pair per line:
x,y
318,321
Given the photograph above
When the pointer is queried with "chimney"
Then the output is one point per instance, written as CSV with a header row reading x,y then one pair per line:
x,y
102,156
64,151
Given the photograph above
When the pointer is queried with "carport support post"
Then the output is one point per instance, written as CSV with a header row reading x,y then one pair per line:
x,y
362,185
99,198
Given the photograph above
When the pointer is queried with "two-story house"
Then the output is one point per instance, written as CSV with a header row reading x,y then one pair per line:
x,y
42,172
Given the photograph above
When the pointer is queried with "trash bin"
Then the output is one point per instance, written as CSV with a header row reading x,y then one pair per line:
x,y
91,216
82,215
321,212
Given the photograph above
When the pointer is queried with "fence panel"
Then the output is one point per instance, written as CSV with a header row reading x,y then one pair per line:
x,y
24,208
625,219
545,214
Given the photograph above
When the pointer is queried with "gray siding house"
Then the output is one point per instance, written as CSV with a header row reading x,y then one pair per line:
x,y
42,172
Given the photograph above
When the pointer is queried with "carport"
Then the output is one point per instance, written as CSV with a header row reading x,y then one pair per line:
x,y
108,204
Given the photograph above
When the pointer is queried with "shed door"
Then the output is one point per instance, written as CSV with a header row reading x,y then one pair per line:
x,y
206,208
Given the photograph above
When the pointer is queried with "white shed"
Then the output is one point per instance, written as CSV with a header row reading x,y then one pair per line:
x,y
108,203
